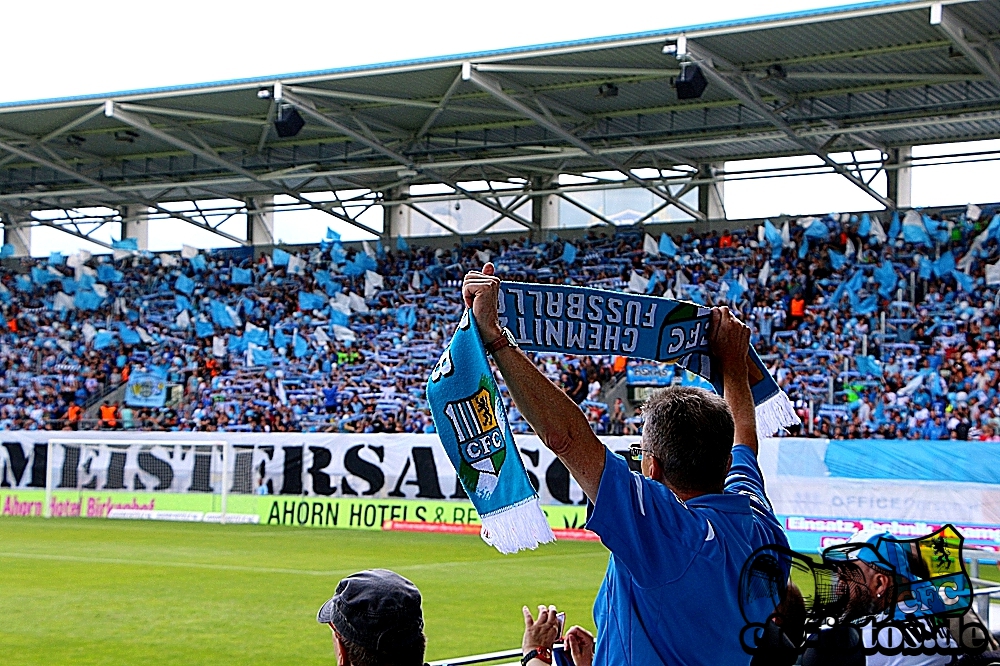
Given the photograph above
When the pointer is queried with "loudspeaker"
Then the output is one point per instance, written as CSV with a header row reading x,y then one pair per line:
x,y
289,122
691,83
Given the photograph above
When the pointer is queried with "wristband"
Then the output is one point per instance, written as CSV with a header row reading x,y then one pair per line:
x,y
540,653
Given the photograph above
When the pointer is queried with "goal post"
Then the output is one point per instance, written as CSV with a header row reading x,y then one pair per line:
x,y
151,464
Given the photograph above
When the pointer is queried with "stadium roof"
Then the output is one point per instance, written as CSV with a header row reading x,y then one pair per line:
x,y
874,75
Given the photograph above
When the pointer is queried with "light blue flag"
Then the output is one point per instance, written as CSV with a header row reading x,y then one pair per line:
x,y
103,340
735,292
817,231
181,303
279,257
965,282
145,389
406,316
184,284
944,265
926,268
865,307
868,366
69,285
339,318
257,336
865,227
470,419
309,301
280,339
914,232
87,300
299,346
993,228
803,248
242,276
569,252
332,235
41,276
773,238
379,250
6,250
203,329
837,260
24,284
937,229
262,356
220,315
887,278
86,281
128,336
337,254
125,244
667,245
57,259
107,273
894,226
198,262
236,344
401,244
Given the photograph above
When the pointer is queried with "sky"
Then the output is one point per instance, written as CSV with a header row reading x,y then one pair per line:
x,y
79,48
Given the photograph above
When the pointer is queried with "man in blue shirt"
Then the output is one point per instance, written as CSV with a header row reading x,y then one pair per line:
x,y
680,533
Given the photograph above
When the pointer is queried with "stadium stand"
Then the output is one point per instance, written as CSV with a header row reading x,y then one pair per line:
x,y
899,333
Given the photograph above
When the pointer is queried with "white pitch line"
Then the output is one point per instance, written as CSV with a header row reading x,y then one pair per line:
x,y
272,570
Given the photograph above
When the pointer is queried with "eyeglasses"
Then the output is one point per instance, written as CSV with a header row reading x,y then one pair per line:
x,y
635,452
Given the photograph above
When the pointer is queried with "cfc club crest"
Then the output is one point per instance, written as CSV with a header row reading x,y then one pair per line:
x,y
481,441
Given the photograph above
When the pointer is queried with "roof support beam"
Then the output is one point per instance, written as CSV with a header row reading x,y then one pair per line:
x,y
746,94
378,146
67,170
439,108
112,110
968,40
493,87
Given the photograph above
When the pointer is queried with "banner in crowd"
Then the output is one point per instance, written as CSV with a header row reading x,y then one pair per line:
x,y
822,490
146,390
644,373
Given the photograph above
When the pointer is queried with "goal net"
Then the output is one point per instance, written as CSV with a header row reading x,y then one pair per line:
x,y
152,479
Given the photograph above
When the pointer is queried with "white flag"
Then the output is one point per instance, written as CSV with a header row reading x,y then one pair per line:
x,y
742,281
669,293
100,290
972,212
296,266
877,232
218,346
342,333
993,274
236,317
120,254
82,270
63,302
484,256
416,283
358,304
761,234
189,252
88,332
786,235
340,301
323,339
368,249
650,246
279,390
341,308
765,273
169,261
373,282
144,335
850,250
183,320
637,283
65,345
680,281
251,327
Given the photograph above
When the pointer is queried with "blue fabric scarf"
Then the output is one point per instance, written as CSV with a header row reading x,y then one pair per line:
x,y
578,320
472,423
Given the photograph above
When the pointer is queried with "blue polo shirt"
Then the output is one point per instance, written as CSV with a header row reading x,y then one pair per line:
x,y
670,595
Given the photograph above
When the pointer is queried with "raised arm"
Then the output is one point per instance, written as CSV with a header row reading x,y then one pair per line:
x,y
729,340
555,418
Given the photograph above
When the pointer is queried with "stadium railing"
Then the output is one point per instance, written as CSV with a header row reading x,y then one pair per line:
x,y
486,658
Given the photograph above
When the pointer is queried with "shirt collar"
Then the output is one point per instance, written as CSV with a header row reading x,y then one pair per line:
x,y
725,502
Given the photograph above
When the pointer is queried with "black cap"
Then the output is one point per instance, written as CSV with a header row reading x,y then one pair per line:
x,y
375,609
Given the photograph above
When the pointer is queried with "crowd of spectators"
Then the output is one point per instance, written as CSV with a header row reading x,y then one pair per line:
x,y
872,333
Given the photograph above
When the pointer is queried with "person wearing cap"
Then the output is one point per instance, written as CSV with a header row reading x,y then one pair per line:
x,y
376,620
679,533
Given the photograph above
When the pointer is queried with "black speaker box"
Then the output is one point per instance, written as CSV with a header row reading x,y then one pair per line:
x,y
289,122
691,83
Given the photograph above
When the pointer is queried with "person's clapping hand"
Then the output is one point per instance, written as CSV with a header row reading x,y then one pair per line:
x,y
580,644
540,632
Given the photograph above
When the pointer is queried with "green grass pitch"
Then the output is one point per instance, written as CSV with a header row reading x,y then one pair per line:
x,y
78,591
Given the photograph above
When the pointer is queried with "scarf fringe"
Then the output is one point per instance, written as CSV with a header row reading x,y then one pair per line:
x,y
517,527
775,414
